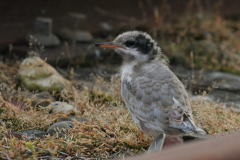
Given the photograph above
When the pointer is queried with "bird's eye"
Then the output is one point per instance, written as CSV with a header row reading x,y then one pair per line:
x,y
130,43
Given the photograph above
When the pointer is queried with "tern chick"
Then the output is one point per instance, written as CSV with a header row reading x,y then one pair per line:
x,y
155,97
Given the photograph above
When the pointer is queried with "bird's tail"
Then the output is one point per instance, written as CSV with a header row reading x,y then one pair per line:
x,y
200,136
199,131
197,134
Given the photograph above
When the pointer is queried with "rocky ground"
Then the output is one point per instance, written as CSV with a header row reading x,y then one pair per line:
x,y
80,119
69,105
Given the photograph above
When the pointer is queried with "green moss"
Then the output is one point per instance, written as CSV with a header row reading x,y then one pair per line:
x,y
230,70
103,97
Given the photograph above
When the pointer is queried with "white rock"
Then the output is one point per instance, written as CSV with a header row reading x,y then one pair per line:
x,y
36,74
61,107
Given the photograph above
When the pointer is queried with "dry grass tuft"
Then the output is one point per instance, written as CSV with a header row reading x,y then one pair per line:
x,y
214,117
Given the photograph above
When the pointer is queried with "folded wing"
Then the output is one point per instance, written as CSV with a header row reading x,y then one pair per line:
x,y
159,101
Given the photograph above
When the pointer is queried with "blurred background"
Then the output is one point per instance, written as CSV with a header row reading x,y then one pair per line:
x,y
201,38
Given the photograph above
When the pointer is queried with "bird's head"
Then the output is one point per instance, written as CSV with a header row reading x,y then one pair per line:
x,y
134,46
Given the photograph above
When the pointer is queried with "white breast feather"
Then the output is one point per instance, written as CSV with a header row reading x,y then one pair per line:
x,y
127,70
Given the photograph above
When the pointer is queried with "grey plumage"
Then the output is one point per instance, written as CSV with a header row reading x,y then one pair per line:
x,y
155,97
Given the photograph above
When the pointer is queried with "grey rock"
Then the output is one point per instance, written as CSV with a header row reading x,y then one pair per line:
x,y
36,74
60,107
77,35
106,26
61,128
43,32
31,133
196,97
79,119
227,97
46,41
226,88
224,81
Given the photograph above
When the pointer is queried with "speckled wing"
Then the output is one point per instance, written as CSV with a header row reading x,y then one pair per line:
x,y
159,101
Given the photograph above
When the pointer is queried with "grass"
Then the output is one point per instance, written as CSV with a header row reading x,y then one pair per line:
x,y
213,38
110,131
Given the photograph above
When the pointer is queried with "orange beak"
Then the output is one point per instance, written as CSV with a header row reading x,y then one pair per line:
x,y
108,45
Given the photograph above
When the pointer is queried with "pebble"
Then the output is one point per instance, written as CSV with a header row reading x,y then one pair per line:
x,y
31,134
79,119
61,128
60,107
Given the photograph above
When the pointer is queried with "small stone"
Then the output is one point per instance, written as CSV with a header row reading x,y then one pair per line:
x,y
60,107
79,119
36,74
106,26
61,128
31,133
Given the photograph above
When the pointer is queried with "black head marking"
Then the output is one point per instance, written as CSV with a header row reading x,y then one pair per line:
x,y
143,44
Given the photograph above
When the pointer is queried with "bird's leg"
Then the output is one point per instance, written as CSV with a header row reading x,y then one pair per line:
x,y
141,136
